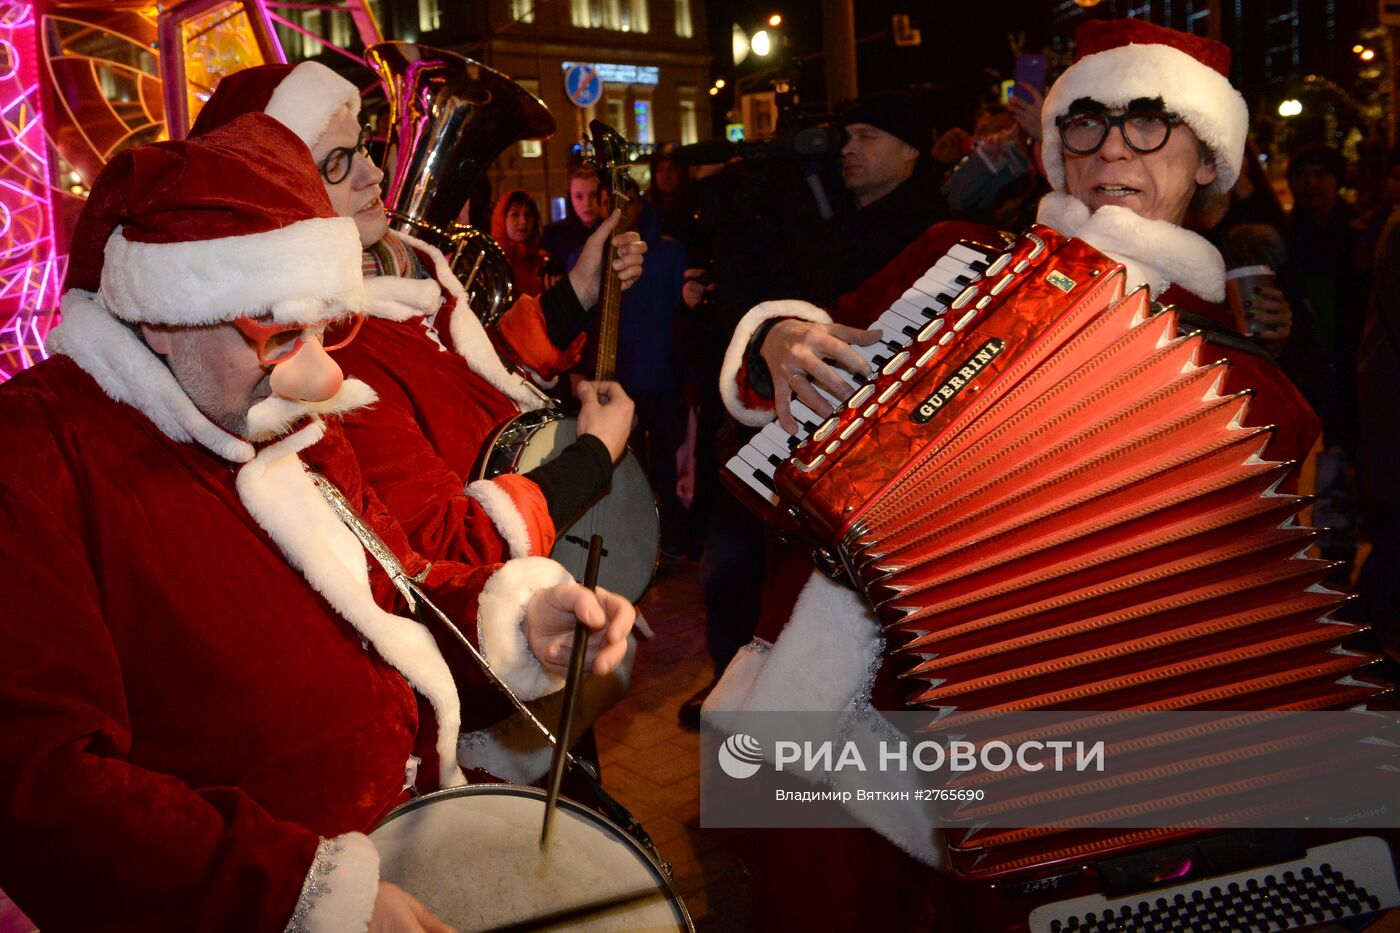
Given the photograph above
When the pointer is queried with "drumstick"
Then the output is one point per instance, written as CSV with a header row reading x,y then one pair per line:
x,y
571,689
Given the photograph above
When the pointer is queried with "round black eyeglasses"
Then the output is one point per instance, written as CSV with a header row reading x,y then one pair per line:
x,y
335,167
1143,131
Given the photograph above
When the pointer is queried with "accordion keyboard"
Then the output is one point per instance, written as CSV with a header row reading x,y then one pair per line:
x,y
924,301
1330,883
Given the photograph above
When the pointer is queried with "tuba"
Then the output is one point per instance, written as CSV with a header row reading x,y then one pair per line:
x,y
449,118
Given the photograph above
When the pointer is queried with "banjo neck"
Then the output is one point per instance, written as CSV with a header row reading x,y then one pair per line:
x,y
610,302
611,154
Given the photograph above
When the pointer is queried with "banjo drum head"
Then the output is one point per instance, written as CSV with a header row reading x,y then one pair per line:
x,y
627,518
472,854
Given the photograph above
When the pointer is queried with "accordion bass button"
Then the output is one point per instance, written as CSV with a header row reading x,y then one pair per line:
x,y
895,363
827,426
930,329
963,298
1000,263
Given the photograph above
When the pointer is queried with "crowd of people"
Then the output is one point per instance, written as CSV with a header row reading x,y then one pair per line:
x,y
225,685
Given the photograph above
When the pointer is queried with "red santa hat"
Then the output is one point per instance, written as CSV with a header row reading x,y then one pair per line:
x,y
205,230
1119,61
301,97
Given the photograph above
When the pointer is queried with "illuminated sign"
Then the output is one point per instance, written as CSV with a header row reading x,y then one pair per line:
x,y
624,74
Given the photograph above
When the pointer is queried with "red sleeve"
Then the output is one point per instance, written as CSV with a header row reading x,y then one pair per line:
x,y
521,335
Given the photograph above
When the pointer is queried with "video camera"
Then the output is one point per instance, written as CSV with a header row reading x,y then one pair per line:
x,y
810,142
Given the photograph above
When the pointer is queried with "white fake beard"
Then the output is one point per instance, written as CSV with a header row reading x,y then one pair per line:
x,y
275,416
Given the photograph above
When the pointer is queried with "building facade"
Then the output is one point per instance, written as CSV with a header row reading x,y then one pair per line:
x,y
651,58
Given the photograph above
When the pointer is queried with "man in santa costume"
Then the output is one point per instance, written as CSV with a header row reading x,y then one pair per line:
x,y
205,705
1142,123
437,410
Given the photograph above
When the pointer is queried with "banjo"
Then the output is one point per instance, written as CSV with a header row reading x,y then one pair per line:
x,y
626,516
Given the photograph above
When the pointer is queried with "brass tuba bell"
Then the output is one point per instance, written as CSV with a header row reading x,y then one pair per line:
x,y
449,118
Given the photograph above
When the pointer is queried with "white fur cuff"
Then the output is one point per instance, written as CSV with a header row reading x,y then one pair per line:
x,y
739,345
500,508
340,888
501,623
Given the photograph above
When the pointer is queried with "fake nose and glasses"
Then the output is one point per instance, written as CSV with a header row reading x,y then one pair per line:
x,y
310,376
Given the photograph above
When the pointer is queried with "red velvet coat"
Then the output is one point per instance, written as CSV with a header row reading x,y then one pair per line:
x,y
443,394
186,713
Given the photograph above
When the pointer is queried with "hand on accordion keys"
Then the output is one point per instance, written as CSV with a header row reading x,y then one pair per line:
x,y
802,356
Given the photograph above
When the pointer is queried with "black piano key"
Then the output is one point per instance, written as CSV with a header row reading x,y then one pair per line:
x,y
792,441
909,331
765,479
775,460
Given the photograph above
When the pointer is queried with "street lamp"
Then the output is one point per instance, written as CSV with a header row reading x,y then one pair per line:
x,y
775,20
1290,108
760,43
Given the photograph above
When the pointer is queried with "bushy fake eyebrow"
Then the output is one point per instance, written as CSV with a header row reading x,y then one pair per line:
x,y
1089,105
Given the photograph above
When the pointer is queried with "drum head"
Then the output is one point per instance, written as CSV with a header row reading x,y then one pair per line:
x,y
472,854
627,518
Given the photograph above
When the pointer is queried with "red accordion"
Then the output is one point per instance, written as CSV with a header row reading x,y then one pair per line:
x,y
1051,503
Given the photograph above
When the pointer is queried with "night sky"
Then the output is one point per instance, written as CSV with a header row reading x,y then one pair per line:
x,y
964,52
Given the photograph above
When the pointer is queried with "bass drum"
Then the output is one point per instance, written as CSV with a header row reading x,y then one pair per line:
x,y
473,855
626,517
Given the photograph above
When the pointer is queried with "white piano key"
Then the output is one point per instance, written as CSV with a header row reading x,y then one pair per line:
x,y
802,413
768,447
922,308
780,438
950,267
740,468
895,319
757,461
970,254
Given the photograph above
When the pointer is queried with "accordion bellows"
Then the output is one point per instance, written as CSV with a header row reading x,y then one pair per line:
x,y
1056,504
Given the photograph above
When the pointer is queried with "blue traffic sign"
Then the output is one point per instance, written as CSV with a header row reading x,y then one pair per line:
x,y
583,84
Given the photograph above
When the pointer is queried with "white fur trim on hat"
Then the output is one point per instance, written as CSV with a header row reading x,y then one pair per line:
x,y
1115,77
340,888
739,345
1154,252
501,623
308,97
304,272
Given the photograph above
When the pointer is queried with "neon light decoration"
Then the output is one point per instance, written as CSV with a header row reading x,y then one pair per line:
x,y
30,270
